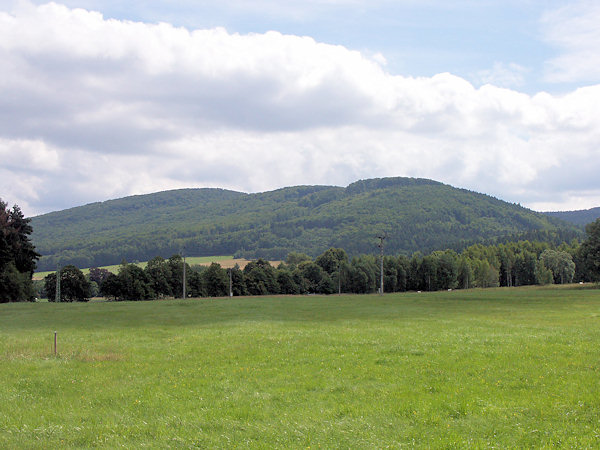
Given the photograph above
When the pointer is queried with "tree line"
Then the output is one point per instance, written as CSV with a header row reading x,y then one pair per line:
x,y
507,264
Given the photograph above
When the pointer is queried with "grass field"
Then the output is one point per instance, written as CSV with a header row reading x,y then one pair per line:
x,y
483,368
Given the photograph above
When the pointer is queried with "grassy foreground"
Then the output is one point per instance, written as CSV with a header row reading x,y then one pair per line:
x,y
483,368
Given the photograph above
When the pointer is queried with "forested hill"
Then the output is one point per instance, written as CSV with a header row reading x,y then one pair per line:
x,y
416,214
581,217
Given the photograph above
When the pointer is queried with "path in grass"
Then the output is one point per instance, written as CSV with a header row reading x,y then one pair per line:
x,y
498,367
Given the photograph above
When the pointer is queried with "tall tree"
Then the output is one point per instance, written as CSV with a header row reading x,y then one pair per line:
x,y
447,270
560,263
464,277
74,287
134,283
17,255
590,250
543,275
261,278
332,259
216,281
317,280
159,275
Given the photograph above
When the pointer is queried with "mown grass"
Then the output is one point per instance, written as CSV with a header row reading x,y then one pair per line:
x,y
481,368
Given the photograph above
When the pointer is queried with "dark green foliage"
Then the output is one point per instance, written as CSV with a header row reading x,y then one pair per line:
x,y
332,260
15,285
261,278
132,283
524,269
316,280
362,275
98,275
447,270
159,274
287,284
74,287
135,284
17,255
294,258
175,274
238,282
390,274
580,217
195,282
428,273
418,215
464,275
590,250
402,270
111,287
216,281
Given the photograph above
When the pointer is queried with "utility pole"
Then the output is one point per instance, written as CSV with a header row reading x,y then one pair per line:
x,y
57,297
230,283
381,238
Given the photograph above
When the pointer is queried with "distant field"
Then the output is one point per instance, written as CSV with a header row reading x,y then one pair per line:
x,y
225,262
503,368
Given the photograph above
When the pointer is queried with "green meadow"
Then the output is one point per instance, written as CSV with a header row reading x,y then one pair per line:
x,y
507,367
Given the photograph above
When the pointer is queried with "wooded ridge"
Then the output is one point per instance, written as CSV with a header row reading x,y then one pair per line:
x,y
580,217
416,214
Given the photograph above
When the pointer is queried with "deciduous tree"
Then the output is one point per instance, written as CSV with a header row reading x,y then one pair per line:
x,y
590,250
74,287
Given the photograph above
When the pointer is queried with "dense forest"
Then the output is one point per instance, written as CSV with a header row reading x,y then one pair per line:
x,y
580,217
415,214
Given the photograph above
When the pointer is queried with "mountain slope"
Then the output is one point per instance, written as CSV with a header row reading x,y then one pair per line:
x,y
416,214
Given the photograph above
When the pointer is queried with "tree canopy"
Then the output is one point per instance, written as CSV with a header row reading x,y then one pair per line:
x,y
590,249
74,287
18,256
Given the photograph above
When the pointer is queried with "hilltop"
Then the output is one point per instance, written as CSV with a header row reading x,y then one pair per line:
x,y
416,214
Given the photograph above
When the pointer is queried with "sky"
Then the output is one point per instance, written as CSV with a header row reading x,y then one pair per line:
x,y
101,99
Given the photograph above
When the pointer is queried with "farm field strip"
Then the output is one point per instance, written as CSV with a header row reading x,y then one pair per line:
x,y
225,261
480,368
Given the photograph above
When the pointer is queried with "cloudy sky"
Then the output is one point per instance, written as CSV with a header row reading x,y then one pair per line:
x,y
101,99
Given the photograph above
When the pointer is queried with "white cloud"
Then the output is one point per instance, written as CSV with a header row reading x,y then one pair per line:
x,y
574,30
102,108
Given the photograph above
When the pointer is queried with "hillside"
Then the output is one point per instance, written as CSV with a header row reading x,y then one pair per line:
x,y
417,214
581,217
